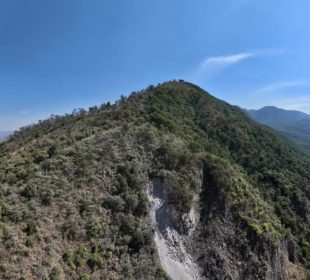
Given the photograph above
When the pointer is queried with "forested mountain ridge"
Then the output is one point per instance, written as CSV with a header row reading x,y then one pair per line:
x,y
274,116
74,191
293,125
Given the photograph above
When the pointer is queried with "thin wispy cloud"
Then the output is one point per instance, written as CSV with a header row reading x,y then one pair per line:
x,y
286,94
225,60
299,103
215,64
24,112
283,85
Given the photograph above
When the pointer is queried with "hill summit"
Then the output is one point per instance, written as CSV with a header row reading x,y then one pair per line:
x,y
168,183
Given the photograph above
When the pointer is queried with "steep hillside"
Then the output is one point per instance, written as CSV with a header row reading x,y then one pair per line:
x,y
294,125
168,182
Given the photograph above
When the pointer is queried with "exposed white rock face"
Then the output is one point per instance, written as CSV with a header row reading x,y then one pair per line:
x,y
174,258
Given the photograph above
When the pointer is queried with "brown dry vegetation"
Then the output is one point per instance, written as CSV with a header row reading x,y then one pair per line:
x,y
73,199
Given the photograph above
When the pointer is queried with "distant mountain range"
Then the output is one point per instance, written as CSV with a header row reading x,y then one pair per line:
x,y
294,125
4,134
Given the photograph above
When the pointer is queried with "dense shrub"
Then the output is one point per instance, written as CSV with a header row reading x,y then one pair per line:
x,y
94,228
137,241
179,195
114,203
30,191
56,274
127,223
95,259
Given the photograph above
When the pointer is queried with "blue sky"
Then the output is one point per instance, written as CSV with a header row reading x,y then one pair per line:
x,y
64,54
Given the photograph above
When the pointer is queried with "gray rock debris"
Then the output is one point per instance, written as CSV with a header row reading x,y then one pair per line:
x,y
174,258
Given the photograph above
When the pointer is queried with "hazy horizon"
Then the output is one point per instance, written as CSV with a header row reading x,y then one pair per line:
x,y
57,56
112,101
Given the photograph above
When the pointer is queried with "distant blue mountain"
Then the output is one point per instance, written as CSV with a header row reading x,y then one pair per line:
x,y
5,134
294,125
274,116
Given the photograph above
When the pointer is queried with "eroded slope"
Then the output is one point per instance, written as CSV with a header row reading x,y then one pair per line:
x,y
73,192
